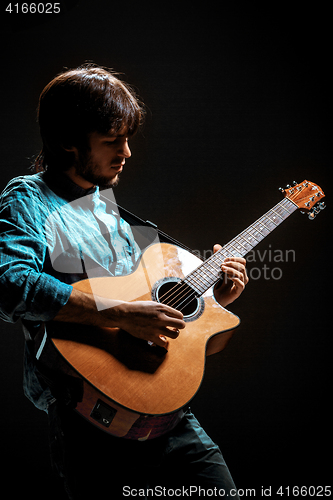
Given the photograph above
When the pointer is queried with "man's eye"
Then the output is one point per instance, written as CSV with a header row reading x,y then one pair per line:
x,y
116,140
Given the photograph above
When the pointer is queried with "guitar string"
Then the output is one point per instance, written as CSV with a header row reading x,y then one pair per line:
x,y
168,297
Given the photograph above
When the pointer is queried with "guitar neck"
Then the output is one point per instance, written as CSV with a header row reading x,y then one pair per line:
x,y
209,272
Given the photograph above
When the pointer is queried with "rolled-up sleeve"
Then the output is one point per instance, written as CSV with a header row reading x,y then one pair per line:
x,y
26,290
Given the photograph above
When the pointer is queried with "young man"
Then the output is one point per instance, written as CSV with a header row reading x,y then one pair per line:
x,y
86,117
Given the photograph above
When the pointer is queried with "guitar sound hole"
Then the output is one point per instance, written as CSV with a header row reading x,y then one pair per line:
x,y
177,294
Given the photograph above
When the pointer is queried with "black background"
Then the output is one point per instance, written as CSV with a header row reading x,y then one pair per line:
x,y
237,104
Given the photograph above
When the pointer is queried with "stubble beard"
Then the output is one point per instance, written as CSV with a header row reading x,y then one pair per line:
x,y
88,170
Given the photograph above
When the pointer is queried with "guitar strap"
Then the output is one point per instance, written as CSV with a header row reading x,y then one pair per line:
x,y
134,220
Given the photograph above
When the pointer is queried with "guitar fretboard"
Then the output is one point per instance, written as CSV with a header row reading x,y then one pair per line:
x,y
209,272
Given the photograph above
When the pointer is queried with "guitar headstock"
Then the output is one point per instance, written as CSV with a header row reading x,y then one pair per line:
x,y
306,196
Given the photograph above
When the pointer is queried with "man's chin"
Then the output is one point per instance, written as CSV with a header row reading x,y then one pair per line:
x,y
108,183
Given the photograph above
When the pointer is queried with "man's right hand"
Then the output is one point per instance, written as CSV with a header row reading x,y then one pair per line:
x,y
146,320
150,321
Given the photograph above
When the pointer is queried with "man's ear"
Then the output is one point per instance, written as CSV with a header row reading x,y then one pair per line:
x,y
71,149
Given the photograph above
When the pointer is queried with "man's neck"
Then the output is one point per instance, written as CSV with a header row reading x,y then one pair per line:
x,y
63,185
80,181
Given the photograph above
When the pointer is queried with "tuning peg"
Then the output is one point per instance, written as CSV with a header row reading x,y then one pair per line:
x,y
281,190
288,186
311,215
294,183
322,205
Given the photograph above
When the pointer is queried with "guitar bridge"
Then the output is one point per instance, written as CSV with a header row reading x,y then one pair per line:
x,y
103,413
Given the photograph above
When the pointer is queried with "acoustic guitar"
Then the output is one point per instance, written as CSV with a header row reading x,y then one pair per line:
x,y
129,387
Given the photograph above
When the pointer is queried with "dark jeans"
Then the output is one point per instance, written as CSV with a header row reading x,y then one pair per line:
x,y
92,464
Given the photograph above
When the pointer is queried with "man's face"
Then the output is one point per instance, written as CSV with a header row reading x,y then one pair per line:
x,y
103,162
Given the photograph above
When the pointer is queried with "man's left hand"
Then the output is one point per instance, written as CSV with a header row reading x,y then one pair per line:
x,y
234,280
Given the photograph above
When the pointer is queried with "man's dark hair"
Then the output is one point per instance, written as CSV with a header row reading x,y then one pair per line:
x,y
77,102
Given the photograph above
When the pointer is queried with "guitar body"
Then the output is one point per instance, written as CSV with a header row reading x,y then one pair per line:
x,y
128,387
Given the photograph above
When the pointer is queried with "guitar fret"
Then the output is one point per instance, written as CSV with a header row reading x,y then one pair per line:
x,y
260,233
243,245
287,203
275,212
284,215
203,278
271,221
210,279
237,252
214,270
252,236
259,230
201,281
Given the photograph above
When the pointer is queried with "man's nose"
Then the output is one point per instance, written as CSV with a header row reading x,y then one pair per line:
x,y
125,151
